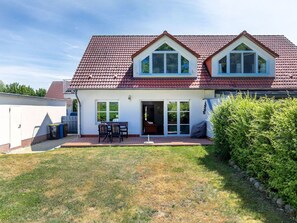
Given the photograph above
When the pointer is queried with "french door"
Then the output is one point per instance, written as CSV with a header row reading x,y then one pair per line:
x,y
178,117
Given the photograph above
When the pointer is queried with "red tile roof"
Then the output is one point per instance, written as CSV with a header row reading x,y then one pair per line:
x,y
55,90
165,33
107,64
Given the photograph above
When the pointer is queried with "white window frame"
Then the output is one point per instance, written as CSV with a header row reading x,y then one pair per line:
x,y
107,109
178,117
228,61
165,52
270,60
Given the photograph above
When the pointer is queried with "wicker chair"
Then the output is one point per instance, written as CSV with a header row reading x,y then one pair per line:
x,y
116,132
103,131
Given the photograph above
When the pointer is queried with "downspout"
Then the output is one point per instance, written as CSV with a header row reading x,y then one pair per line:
x,y
79,114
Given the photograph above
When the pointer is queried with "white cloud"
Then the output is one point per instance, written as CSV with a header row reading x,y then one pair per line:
x,y
255,16
36,77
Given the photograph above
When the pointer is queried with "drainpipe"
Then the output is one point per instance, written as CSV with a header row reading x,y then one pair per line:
x,y
79,114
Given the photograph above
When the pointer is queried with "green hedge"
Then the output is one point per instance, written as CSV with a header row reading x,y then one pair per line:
x,y
261,137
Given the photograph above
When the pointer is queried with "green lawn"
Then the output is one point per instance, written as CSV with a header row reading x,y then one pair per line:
x,y
143,184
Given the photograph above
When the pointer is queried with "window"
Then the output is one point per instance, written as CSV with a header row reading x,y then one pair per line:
x,y
107,111
158,63
165,60
172,63
145,65
184,117
242,60
172,117
261,65
178,117
223,65
184,65
235,62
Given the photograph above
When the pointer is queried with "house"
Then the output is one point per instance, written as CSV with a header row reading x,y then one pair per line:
x,y
159,83
60,90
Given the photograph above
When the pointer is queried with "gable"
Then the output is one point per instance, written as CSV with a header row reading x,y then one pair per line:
x,y
160,54
242,58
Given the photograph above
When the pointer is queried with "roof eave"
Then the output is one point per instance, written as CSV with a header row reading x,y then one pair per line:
x,y
251,38
165,33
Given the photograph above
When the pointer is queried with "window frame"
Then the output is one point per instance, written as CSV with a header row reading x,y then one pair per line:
x,y
178,117
164,52
242,52
107,109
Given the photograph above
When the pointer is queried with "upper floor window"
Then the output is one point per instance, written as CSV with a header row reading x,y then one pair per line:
x,y
242,60
165,60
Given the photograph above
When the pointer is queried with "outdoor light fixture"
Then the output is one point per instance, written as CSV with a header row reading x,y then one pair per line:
x,y
129,97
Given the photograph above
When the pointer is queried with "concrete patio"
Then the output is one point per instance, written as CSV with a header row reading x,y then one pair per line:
x,y
137,141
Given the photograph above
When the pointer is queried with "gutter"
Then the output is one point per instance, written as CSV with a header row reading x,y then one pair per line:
x,y
79,114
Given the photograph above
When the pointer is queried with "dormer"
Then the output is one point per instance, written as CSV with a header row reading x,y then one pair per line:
x,y
244,56
165,56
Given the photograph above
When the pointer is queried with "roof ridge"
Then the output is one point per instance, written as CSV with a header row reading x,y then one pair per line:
x,y
180,35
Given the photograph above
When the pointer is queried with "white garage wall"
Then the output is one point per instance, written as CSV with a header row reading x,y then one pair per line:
x,y
130,110
36,114
4,124
36,118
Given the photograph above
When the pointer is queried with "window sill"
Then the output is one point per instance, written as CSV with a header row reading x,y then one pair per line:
x,y
179,75
243,75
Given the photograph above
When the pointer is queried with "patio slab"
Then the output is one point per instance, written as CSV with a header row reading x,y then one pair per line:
x,y
138,141
43,146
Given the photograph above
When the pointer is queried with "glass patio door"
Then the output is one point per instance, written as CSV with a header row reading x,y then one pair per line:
x,y
178,117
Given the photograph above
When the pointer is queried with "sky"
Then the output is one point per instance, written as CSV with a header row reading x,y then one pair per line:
x,y
44,40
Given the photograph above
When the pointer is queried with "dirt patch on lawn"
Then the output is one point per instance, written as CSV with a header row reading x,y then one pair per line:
x,y
15,165
177,193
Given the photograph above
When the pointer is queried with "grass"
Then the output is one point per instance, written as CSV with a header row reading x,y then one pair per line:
x,y
143,184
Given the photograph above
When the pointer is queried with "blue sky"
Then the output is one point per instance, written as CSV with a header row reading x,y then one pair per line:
x,y
43,40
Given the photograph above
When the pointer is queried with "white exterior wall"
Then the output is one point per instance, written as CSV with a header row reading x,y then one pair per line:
x,y
36,114
213,103
4,121
130,110
36,118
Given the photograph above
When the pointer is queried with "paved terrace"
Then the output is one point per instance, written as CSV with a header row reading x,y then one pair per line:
x,y
137,141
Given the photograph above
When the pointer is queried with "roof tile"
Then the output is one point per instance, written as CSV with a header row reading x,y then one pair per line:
x,y
107,56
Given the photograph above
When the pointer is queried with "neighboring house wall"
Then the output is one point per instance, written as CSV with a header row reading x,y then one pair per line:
x,y
131,111
210,106
24,119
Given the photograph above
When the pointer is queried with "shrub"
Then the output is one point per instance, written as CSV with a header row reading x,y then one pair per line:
x,y
283,172
238,129
220,120
261,137
260,143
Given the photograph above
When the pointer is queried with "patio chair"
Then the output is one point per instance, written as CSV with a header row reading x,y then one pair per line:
x,y
150,128
103,131
124,129
116,132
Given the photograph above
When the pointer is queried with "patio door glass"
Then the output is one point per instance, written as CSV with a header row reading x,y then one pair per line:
x,y
178,118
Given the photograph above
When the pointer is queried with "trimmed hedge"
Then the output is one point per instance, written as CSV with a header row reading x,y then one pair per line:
x,y
261,137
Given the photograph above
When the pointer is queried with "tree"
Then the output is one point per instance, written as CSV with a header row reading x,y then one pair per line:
x,y
74,105
16,88
41,92
2,86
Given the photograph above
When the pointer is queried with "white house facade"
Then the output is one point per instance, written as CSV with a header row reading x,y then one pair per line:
x,y
131,105
160,84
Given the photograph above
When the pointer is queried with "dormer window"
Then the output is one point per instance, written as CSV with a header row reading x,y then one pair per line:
x,y
165,60
242,60
165,57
